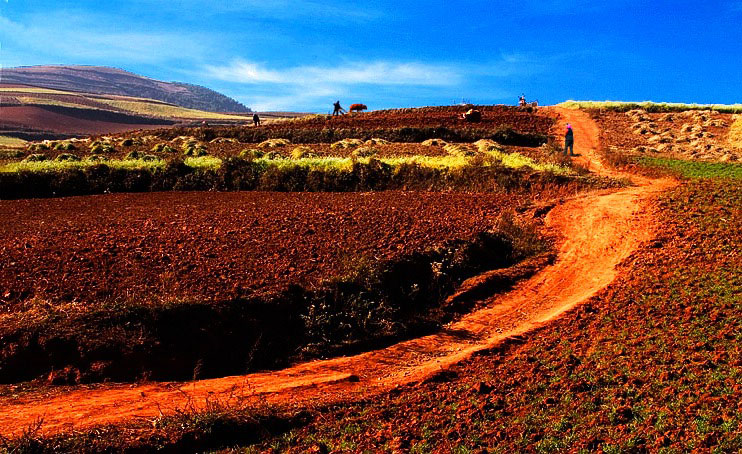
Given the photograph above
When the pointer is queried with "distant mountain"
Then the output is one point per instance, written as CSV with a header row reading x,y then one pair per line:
x,y
112,81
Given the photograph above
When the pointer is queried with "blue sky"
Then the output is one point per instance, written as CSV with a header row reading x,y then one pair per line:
x,y
303,54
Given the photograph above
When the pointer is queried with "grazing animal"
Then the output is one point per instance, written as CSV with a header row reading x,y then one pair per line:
x,y
472,116
357,107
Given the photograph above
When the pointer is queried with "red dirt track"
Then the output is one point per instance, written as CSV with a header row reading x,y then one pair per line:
x,y
598,231
215,246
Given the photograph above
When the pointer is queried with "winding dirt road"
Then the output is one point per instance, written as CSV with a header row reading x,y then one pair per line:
x,y
598,231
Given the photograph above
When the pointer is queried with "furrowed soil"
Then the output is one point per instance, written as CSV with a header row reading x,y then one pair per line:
x,y
187,246
598,231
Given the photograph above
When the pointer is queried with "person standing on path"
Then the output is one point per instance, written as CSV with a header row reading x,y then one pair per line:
x,y
256,120
569,141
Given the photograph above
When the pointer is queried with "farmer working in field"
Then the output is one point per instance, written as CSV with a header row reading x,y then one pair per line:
x,y
337,109
256,120
569,141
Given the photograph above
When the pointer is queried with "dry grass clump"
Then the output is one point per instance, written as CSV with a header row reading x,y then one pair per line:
x,y
435,143
162,148
99,146
347,143
459,150
251,154
485,145
302,152
97,158
36,157
735,133
274,143
67,157
377,141
364,152
224,140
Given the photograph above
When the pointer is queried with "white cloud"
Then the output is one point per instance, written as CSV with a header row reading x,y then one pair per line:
x,y
354,73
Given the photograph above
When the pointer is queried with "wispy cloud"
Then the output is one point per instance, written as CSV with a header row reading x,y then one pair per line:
x,y
372,73
306,87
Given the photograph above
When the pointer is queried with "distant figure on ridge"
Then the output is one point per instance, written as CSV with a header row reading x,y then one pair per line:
x,y
337,109
256,120
569,141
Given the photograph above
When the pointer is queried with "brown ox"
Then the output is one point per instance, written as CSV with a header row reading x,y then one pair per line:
x,y
472,116
357,107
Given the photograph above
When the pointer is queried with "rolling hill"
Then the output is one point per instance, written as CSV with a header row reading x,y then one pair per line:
x,y
112,81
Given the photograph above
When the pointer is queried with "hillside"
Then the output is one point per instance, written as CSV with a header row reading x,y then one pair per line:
x,y
112,81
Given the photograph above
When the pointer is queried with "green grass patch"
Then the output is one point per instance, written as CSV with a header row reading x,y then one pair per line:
x,y
650,106
49,166
695,169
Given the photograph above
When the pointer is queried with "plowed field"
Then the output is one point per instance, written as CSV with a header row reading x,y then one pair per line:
x,y
493,117
211,246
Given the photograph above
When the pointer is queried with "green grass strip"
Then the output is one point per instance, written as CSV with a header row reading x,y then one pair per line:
x,y
650,106
696,169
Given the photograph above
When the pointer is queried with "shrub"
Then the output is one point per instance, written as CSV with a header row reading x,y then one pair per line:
x,y
223,140
67,157
150,158
133,155
128,142
36,157
11,153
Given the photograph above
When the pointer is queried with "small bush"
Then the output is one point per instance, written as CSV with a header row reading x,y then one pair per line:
x,y
67,157
195,152
11,153
128,142
301,152
36,157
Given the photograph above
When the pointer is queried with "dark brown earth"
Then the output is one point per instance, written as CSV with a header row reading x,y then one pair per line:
x,y
213,246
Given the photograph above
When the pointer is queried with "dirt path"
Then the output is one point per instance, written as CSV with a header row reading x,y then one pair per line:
x,y
599,230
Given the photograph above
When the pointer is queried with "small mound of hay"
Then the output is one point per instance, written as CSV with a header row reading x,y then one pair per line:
x,y
347,143
302,152
377,141
274,143
364,152
461,150
435,143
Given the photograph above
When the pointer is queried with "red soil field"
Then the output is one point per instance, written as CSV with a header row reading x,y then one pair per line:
x,y
47,119
211,246
493,117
